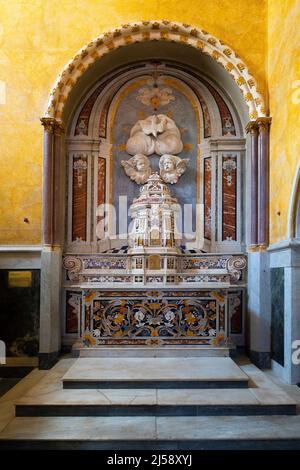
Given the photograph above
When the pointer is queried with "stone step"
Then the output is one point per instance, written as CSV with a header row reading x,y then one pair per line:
x,y
146,351
154,410
155,372
154,402
153,433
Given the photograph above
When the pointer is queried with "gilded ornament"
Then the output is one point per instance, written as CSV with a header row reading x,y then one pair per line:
x,y
229,66
128,39
110,45
227,52
164,35
240,81
82,68
136,28
155,25
216,55
95,55
248,97
194,33
212,41
253,115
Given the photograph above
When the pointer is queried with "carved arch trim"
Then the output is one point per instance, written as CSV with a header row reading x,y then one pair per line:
x,y
156,31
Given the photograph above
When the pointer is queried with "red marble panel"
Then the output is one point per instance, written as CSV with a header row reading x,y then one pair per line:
x,y
236,313
228,127
73,308
207,198
229,197
206,117
79,200
101,188
103,117
82,123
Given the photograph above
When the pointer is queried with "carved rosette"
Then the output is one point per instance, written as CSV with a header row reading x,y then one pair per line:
x,y
235,267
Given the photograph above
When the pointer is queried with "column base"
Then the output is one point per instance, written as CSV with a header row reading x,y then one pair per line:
x,y
261,359
48,360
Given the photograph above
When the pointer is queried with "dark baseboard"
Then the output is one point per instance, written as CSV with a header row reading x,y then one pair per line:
x,y
261,359
48,360
11,372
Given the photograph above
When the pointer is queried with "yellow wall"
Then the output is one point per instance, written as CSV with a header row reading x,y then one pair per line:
x,y
284,98
38,37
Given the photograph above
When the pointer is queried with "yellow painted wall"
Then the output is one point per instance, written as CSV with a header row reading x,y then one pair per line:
x,y
284,98
38,37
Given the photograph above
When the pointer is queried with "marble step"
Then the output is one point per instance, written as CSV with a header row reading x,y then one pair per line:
x,y
153,433
146,351
155,372
155,410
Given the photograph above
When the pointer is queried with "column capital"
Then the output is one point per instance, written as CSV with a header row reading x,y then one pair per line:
x,y
263,123
53,125
251,127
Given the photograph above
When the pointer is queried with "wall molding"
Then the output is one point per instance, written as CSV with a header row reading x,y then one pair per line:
x,y
292,243
20,256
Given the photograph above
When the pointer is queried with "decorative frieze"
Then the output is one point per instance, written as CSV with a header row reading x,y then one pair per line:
x,y
223,270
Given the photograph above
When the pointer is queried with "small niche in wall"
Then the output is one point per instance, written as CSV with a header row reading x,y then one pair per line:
x,y
277,315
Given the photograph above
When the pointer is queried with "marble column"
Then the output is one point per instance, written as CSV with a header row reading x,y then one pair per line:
x,y
252,129
263,181
259,306
50,333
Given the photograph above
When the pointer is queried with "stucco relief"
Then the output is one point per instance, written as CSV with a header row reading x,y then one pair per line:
x,y
157,134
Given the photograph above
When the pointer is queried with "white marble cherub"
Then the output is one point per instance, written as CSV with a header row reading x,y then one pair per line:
x,y
137,168
172,168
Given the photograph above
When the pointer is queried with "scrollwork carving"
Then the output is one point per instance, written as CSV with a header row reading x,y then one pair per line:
x,y
72,264
235,266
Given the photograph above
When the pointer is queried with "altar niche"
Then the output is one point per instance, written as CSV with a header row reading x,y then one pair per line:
x,y
154,212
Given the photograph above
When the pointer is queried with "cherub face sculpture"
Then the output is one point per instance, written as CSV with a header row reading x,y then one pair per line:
x,y
137,168
172,167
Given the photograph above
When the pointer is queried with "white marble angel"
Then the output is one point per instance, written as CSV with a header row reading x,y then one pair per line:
x,y
137,168
172,168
